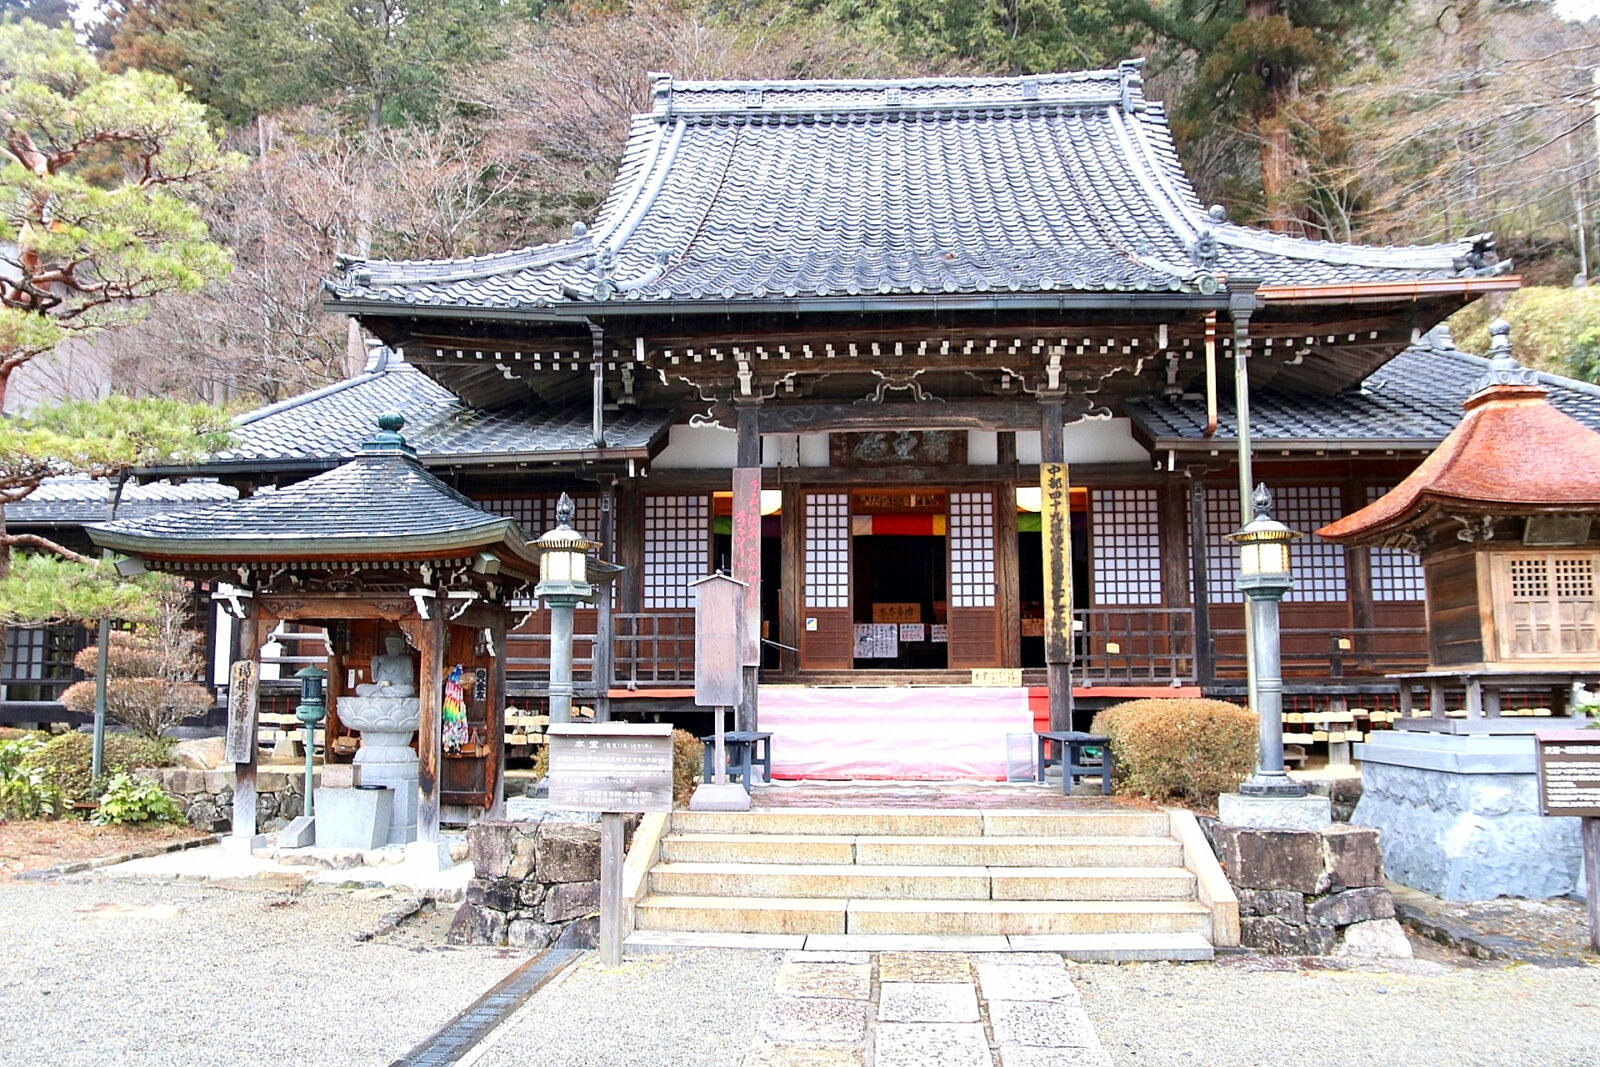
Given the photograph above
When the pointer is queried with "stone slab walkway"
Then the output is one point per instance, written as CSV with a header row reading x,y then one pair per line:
x,y
925,1009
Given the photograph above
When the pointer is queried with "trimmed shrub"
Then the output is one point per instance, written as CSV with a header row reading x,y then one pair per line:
x,y
66,760
1176,749
688,760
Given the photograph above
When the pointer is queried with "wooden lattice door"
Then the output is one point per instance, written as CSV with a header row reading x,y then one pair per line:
x,y
1547,605
974,620
827,633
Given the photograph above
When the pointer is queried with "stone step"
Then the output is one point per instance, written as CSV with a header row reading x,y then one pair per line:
x,y
1013,917
789,915
758,848
742,915
1020,851
1085,948
909,822
922,882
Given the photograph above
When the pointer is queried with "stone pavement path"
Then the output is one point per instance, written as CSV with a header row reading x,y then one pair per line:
x,y
925,1009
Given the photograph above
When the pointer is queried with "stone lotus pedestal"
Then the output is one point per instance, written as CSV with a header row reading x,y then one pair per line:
x,y
386,757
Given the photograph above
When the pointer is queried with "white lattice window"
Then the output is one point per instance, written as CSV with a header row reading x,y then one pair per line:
x,y
1222,558
1396,573
1126,526
677,548
972,550
537,514
1317,565
827,550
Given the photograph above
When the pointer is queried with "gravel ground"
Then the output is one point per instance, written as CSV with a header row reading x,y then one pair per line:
x,y
1250,1012
677,1009
95,972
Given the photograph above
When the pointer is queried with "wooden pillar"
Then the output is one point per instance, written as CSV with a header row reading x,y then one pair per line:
x,y
630,545
747,554
1174,523
244,679
1008,580
602,668
429,638
790,603
1056,520
497,712
1358,577
1204,656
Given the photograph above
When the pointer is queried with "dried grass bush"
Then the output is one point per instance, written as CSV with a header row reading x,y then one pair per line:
x,y
688,759
150,686
1179,749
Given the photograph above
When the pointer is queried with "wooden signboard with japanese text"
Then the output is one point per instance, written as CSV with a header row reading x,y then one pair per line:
x,y
1569,772
611,766
243,683
1056,527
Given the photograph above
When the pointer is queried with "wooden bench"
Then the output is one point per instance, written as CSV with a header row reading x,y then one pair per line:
x,y
744,748
1069,746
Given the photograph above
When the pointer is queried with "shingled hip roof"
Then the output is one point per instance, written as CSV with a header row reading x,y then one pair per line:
x,y
1513,453
739,192
380,505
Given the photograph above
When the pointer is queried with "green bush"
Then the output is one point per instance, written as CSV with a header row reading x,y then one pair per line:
x,y
26,791
66,760
688,759
135,798
1171,749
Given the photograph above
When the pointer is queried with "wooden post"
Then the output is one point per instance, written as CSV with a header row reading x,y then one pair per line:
x,y
1358,582
602,665
1174,568
1008,583
789,605
243,703
611,889
747,554
497,713
1591,876
428,635
1205,660
1056,523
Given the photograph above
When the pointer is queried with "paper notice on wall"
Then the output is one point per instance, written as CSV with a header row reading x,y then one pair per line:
x,y
940,633
877,640
913,632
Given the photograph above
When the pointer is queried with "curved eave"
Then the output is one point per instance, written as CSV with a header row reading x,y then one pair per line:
x,y
1430,507
1385,292
290,548
576,311
1298,445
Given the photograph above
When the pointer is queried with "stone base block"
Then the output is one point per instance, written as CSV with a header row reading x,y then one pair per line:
x,y
429,855
730,796
353,818
300,833
1275,813
243,844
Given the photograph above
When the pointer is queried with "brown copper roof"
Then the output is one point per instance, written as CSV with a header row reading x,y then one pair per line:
x,y
1513,454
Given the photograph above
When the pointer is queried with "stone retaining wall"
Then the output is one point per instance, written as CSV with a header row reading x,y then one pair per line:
x,y
535,883
206,797
1309,892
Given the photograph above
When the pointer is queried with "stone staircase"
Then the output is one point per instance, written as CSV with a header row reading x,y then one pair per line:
x,y
1095,884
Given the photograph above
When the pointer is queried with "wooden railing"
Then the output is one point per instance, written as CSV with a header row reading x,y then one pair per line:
x,y
1130,645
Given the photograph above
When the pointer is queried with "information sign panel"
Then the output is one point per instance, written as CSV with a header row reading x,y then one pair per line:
x,y
611,767
1569,772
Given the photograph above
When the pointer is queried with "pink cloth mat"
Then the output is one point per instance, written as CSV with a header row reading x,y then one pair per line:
x,y
924,732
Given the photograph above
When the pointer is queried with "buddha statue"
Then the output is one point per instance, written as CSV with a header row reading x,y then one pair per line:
x,y
393,674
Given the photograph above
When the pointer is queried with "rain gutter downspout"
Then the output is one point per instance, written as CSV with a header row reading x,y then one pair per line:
x,y
597,333
1211,375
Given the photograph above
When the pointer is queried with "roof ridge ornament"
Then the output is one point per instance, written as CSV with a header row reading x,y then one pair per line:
x,y
1131,83
388,441
1504,370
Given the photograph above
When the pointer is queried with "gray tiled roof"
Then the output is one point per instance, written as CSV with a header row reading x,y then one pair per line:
x,y
327,425
1414,400
737,191
382,501
79,499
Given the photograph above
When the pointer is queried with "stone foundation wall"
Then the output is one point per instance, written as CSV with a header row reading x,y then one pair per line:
x,y
206,797
1309,892
534,883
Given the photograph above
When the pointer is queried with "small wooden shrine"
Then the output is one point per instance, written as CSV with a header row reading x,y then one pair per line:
x,y
1502,515
373,546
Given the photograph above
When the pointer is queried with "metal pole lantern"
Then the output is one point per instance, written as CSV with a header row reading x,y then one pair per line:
x,y
1264,576
563,584
313,706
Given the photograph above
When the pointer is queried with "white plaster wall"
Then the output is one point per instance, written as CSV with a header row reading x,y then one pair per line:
x,y
1089,441
983,447
698,448
813,450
